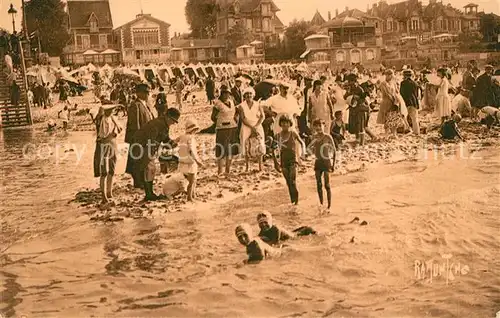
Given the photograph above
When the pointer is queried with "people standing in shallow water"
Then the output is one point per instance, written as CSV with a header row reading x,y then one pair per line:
x,y
256,249
324,149
287,142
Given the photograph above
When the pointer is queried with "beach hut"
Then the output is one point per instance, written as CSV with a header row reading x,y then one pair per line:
x,y
210,70
190,71
200,69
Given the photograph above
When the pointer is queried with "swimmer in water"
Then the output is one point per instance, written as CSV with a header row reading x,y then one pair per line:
x,y
256,249
272,234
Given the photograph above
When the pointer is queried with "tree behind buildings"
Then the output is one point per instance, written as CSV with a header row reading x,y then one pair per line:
x,y
49,20
201,15
295,34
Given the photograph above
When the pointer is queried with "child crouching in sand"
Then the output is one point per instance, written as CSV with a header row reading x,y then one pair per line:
x,y
287,142
394,121
323,147
106,149
188,157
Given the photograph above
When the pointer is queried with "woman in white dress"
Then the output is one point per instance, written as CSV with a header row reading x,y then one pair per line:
x,y
320,106
443,100
252,116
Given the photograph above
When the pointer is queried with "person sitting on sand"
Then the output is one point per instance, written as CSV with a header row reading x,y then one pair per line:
x,y
272,234
256,249
394,120
175,183
449,129
323,147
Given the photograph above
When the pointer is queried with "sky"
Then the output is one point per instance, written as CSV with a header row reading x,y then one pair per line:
x,y
172,11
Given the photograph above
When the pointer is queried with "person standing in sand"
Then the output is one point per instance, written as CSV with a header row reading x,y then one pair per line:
x,y
139,114
320,106
252,116
287,141
389,91
226,136
106,149
324,149
409,91
443,100
188,157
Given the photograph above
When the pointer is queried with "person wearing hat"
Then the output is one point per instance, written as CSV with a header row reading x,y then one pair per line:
x,y
106,149
390,91
236,91
484,92
468,79
145,147
283,103
188,157
409,91
252,116
139,114
225,117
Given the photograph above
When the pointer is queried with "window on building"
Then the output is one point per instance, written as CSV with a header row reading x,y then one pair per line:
x,y
376,25
414,24
85,41
103,40
355,56
257,23
266,8
370,55
146,38
266,25
216,53
249,24
192,54
340,56
156,51
389,25
93,26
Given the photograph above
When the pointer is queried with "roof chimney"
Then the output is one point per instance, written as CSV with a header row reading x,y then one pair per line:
x,y
346,9
329,15
336,12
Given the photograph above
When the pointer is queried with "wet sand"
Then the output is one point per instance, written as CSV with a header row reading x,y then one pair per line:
x,y
188,263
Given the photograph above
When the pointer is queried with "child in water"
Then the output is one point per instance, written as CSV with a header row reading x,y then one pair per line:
x,y
323,147
188,157
256,249
287,142
272,235
338,129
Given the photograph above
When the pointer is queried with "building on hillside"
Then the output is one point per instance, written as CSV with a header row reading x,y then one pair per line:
x,y
349,41
197,50
411,18
143,40
91,29
471,20
258,16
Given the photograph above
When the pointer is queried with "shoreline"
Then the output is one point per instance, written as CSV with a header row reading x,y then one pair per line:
x,y
165,264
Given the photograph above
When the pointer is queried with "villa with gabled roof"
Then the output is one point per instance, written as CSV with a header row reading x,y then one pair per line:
x,y
91,28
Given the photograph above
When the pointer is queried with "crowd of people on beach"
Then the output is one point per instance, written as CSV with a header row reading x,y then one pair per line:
x,y
286,117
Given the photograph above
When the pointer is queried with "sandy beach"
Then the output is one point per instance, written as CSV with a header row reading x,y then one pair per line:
x,y
61,256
